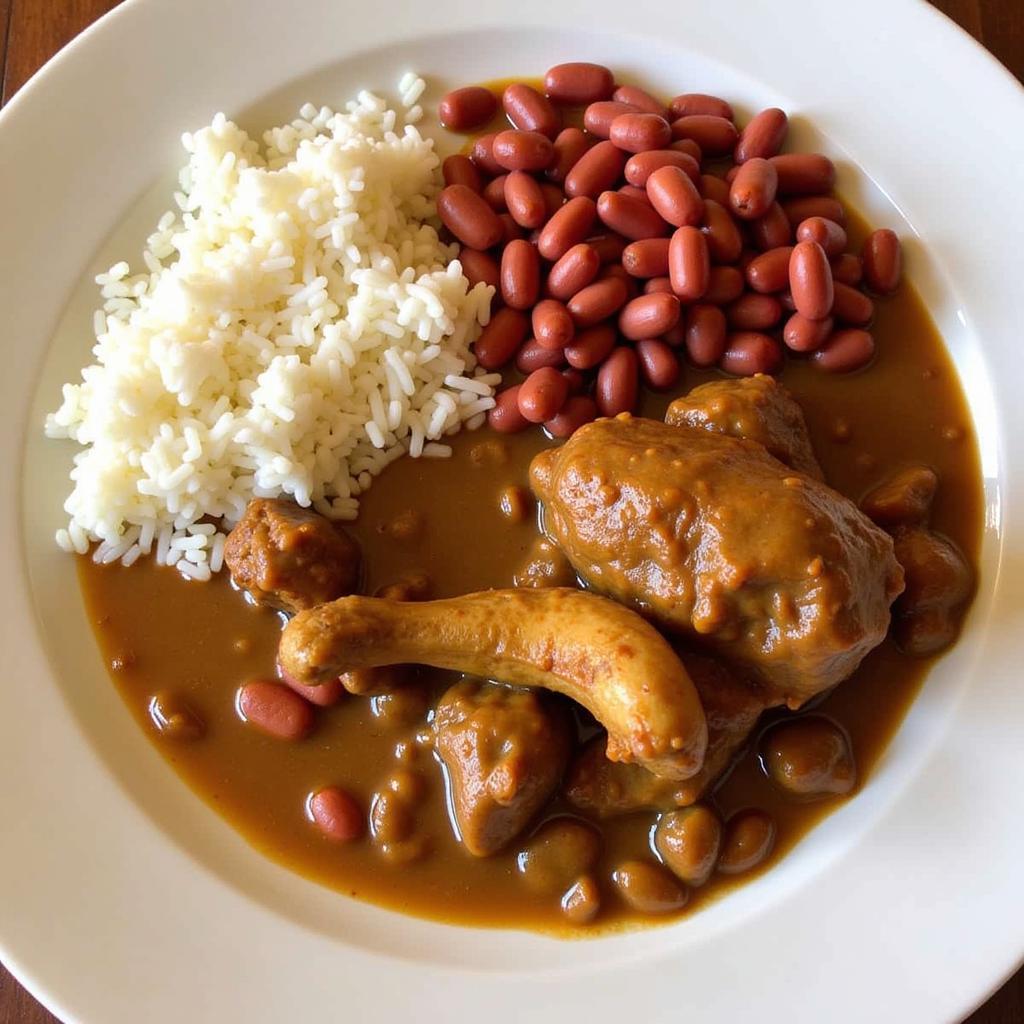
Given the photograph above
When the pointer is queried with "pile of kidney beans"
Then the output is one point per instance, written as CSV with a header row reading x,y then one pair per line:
x,y
652,233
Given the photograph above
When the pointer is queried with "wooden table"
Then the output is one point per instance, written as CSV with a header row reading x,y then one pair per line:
x,y
31,31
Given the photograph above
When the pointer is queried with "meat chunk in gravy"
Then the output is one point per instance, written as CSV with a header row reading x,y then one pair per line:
x,y
732,706
758,408
710,536
505,750
290,557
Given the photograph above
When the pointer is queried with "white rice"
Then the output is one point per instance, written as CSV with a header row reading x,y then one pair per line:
x,y
297,326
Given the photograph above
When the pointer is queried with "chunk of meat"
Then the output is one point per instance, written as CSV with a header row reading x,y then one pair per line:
x,y
939,583
904,499
505,751
758,408
600,654
712,537
290,557
732,706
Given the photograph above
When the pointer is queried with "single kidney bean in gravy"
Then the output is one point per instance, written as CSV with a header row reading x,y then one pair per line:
x,y
577,410
699,103
629,217
500,340
596,171
753,189
569,145
533,355
462,110
542,394
525,200
883,261
482,154
598,301
847,269
275,709
689,263
520,274
640,99
810,280
641,166
647,257
845,351
852,306
598,117
750,352
705,337
659,365
804,173
617,383
458,169
337,814
578,83
552,325
529,111
827,233
573,270
517,150
568,227
753,312
803,335
772,229
725,243
649,316
769,272
725,284
715,135
505,416
590,348
763,136
674,196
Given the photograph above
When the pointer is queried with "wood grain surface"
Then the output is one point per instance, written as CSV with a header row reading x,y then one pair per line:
x,y
32,31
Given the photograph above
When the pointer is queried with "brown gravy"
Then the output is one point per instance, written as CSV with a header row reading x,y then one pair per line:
x,y
201,641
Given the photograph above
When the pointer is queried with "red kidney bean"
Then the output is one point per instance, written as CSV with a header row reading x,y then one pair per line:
x,y
532,356
569,145
542,394
724,285
705,334
763,137
552,324
629,217
810,280
688,103
598,301
524,199
771,230
520,274
754,312
769,272
845,351
712,187
482,154
659,284
529,111
501,338
639,132
578,83
590,348
596,171
750,352
577,411
325,695
659,365
634,193
827,233
641,100
753,188
554,199
337,814
715,135
648,316
616,389
847,269
852,306
569,226
517,150
598,117
798,210
577,382
802,174
494,193
574,270
641,166
674,196
609,247
458,169
465,214
689,147
505,416
689,263
275,709
725,242
510,230
646,258
462,110
803,335
479,266
883,261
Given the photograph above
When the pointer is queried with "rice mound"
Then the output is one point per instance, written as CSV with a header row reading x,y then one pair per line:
x,y
299,326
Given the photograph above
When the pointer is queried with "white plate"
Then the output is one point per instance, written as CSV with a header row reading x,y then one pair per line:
x,y
124,899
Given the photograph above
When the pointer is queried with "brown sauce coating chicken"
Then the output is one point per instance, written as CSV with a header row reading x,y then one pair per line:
x,y
758,408
711,537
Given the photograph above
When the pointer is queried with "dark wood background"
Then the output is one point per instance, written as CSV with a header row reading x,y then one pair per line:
x,y
32,31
